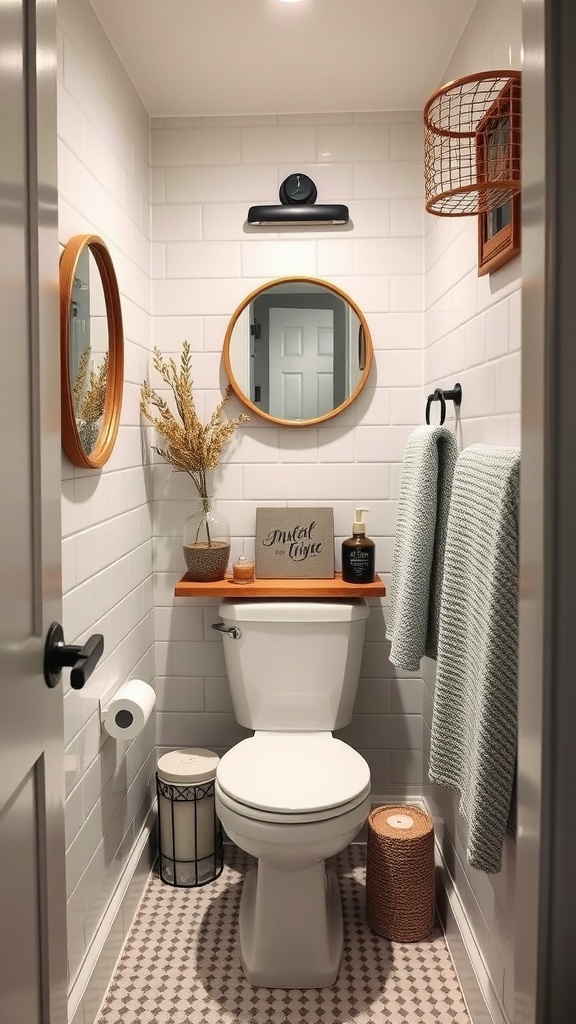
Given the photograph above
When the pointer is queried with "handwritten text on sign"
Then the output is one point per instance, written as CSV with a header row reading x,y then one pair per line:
x,y
297,543
294,543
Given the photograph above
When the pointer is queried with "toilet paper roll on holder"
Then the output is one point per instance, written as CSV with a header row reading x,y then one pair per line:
x,y
123,718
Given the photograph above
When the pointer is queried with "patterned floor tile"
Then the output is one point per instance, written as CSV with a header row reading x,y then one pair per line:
x,y
180,964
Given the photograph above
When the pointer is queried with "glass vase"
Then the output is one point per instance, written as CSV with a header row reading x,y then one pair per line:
x,y
206,542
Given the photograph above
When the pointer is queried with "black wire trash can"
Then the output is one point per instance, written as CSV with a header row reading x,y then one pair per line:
x,y
189,833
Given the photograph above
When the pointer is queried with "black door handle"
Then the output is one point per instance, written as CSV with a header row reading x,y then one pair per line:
x,y
82,660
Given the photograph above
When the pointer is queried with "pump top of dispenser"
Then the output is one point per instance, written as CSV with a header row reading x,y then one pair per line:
x,y
359,526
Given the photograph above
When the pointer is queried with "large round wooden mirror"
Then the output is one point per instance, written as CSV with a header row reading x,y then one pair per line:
x,y
297,351
91,351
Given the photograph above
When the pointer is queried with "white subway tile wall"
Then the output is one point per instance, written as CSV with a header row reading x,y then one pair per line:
x,y
174,217
104,189
207,259
473,335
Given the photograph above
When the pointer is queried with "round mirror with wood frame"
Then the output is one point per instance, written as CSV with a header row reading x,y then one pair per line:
x,y
297,351
91,351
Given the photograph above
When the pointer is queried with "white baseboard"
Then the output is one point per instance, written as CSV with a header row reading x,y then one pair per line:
x,y
478,990
89,987
475,982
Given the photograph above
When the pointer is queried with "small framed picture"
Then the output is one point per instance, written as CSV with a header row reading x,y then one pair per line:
x,y
295,543
498,145
498,236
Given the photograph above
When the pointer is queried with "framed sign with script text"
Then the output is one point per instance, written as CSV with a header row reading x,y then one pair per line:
x,y
295,543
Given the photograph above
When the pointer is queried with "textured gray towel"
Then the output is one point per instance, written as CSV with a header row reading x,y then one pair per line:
x,y
475,704
427,471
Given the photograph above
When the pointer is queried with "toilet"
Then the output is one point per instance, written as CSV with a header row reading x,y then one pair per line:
x,y
292,795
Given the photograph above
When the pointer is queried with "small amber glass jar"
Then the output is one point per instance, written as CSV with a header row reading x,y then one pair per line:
x,y
243,571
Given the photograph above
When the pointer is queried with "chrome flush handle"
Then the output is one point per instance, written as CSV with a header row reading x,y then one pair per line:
x,y
232,631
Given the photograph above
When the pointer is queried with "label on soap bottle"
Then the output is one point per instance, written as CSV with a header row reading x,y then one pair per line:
x,y
358,563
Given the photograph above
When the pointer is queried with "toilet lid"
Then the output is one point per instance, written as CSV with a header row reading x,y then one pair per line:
x,y
257,814
295,773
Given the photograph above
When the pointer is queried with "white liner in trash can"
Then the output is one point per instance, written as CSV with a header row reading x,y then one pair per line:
x,y
188,772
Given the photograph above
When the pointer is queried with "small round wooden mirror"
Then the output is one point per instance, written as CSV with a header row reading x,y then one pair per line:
x,y
297,351
91,351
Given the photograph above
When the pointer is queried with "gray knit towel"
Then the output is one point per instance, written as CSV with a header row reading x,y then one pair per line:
x,y
427,471
474,727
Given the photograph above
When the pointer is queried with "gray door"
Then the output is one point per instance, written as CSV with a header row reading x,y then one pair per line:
x,y
32,871
546,892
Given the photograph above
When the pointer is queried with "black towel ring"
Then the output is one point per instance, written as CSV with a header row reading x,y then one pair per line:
x,y
455,395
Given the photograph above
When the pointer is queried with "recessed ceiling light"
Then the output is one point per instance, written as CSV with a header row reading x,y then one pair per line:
x,y
290,1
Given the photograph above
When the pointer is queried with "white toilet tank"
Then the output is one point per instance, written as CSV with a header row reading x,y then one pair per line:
x,y
297,663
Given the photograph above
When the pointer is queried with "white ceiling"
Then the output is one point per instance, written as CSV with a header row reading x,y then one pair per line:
x,y
225,57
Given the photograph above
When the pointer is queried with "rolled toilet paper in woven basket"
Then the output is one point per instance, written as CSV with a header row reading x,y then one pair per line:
x,y
400,903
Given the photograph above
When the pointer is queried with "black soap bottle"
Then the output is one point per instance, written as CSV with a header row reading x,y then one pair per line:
x,y
358,553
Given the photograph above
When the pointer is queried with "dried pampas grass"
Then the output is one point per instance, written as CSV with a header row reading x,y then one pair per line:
x,y
191,447
89,401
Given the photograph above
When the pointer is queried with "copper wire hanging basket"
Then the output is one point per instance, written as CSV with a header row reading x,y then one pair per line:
x,y
472,144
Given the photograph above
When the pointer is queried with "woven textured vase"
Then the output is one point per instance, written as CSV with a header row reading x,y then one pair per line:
x,y
400,873
206,542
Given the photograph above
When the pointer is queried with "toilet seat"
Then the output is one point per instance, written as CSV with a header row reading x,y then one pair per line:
x,y
256,814
292,778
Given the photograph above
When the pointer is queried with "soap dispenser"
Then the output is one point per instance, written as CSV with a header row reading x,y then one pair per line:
x,y
358,553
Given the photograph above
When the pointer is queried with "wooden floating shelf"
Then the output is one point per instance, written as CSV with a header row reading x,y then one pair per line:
x,y
280,588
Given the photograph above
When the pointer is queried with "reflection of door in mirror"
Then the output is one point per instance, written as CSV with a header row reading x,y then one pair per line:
x,y
298,346
301,363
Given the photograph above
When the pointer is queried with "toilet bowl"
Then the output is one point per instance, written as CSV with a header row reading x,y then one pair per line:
x,y
292,801
292,795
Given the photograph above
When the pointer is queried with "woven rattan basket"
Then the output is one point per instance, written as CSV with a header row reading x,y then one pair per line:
x,y
400,873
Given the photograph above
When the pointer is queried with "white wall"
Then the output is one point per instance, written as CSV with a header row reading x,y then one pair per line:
x,y
473,335
103,171
206,172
